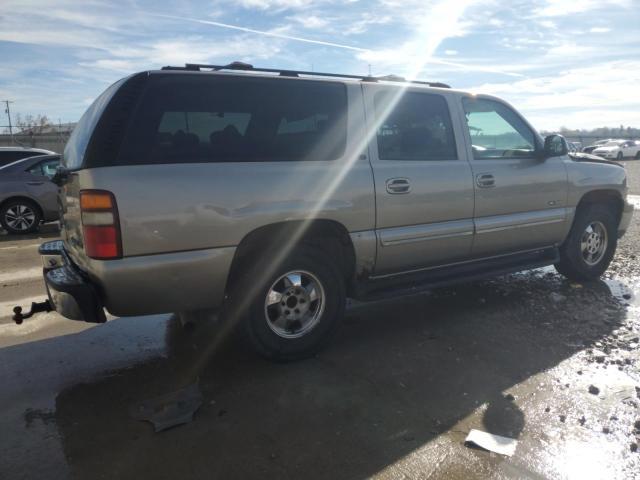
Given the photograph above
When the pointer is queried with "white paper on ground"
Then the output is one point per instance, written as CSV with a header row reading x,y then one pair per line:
x,y
495,443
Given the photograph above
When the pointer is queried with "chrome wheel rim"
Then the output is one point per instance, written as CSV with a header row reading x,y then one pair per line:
x,y
20,217
594,243
294,304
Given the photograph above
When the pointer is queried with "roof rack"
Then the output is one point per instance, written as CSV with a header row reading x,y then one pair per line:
x,y
197,67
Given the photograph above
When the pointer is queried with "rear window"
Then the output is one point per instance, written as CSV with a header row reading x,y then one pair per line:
x,y
77,144
204,118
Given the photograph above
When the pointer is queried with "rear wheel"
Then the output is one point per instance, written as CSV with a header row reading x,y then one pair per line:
x,y
591,244
292,309
20,216
619,156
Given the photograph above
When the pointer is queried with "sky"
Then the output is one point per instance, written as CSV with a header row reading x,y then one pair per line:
x,y
562,63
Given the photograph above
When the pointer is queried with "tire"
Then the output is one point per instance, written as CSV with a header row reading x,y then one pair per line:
x,y
20,217
291,311
637,157
619,157
591,244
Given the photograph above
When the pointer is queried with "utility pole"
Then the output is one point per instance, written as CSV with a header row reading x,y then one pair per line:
x,y
8,112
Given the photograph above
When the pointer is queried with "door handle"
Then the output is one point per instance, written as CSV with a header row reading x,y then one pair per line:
x,y
398,185
485,180
35,183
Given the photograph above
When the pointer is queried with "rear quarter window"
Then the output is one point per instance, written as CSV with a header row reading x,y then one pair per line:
x,y
206,118
76,146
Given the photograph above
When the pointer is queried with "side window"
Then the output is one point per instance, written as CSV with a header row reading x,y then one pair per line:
x,y
46,168
36,169
49,168
497,131
416,127
191,119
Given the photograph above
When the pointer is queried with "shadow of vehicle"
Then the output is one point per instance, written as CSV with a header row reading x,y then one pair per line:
x,y
399,374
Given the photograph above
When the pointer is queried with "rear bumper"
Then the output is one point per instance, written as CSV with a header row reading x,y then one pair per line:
x,y
70,292
625,218
140,285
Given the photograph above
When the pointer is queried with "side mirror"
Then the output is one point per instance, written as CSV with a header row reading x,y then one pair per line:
x,y
555,146
61,176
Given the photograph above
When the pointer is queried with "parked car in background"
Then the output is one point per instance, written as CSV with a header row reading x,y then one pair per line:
x,y
28,197
571,147
597,144
11,154
575,154
618,149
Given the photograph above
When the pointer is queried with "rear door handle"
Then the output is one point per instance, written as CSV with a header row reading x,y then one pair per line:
x,y
397,186
485,180
35,183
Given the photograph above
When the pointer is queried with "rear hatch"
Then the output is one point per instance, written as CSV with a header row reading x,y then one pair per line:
x,y
98,135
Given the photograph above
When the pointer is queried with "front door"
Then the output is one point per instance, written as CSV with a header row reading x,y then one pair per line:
x,y
520,199
423,182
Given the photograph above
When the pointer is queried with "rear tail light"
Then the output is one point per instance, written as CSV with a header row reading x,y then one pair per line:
x,y
100,225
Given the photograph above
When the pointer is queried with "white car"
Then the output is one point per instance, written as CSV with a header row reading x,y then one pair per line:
x,y
618,149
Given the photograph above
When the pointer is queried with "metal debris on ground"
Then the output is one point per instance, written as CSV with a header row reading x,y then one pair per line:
x,y
494,443
169,410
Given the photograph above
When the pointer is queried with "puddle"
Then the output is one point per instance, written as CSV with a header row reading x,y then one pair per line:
x,y
624,290
634,200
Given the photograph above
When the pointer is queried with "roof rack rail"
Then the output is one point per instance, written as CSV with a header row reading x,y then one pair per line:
x,y
296,73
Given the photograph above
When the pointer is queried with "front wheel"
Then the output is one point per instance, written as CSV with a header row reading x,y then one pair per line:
x,y
619,156
20,216
291,309
591,244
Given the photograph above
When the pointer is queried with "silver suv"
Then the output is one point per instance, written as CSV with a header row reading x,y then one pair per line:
x,y
272,196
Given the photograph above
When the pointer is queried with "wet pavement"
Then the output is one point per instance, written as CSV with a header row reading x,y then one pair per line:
x,y
530,356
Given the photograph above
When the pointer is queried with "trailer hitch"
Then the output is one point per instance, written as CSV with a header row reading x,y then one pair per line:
x,y
36,307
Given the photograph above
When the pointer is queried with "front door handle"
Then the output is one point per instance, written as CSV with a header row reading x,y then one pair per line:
x,y
485,180
396,186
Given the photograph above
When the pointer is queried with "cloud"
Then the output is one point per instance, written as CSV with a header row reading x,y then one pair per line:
x,y
181,50
310,21
81,47
432,23
579,94
267,33
561,8
275,4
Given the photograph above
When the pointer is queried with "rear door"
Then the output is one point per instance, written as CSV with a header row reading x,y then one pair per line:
x,y
40,186
520,199
423,183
